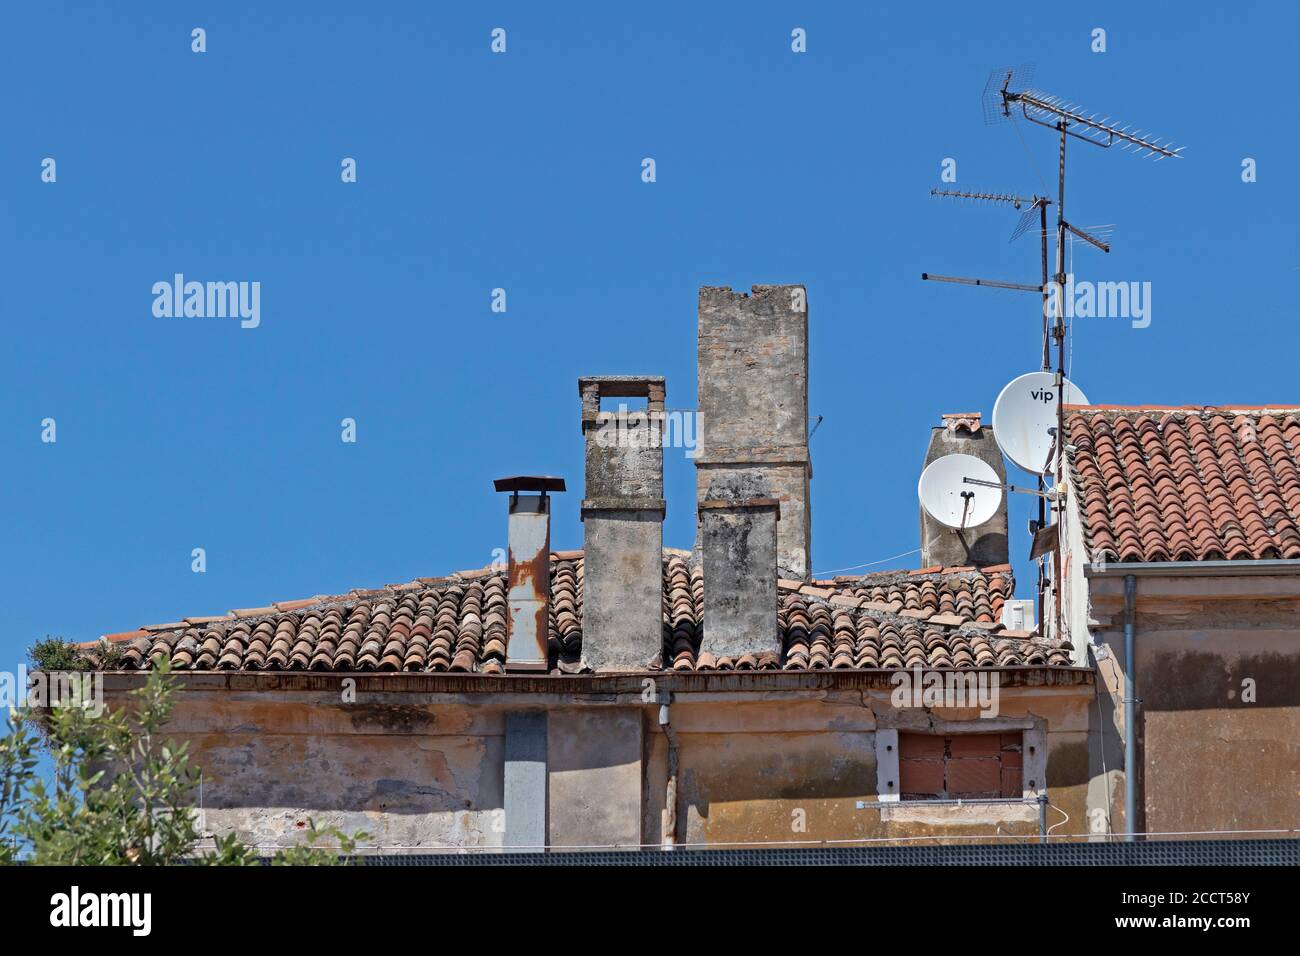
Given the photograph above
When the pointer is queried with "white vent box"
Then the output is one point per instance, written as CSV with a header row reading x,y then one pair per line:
x,y
1018,615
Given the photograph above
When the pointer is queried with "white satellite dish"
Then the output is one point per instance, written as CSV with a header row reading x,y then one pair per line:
x,y
949,499
1024,420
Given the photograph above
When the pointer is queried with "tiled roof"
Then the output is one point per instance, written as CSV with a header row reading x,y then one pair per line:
x,y
1186,484
935,617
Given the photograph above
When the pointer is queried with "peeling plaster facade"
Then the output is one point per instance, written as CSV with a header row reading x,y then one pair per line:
x,y
767,758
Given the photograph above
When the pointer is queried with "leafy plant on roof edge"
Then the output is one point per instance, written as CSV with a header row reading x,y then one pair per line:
x,y
114,790
56,654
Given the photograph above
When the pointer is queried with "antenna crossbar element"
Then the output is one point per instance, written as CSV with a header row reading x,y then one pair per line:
x,y
990,283
1029,215
1016,201
1104,247
994,98
1048,110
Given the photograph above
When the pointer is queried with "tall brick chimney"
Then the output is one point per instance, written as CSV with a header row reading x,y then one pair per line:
x,y
529,576
753,405
963,433
623,515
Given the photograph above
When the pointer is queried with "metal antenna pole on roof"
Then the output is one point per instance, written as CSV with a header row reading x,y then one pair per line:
x,y
1067,119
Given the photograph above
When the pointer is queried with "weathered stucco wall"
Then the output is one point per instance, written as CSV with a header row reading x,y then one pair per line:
x,y
425,771
796,771
411,776
1218,677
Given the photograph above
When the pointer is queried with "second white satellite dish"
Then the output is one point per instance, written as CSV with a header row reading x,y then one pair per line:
x,y
948,498
1024,420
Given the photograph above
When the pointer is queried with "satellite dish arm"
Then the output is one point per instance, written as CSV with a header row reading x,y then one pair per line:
x,y
1005,487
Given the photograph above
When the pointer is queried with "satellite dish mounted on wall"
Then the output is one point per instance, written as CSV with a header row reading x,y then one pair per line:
x,y
952,500
1024,420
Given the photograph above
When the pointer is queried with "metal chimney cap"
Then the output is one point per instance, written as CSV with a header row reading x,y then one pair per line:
x,y
538,483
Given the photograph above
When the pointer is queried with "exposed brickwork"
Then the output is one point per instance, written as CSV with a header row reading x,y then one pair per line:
x,y
753,403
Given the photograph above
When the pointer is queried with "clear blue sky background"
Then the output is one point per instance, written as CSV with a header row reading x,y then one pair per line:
x,y
523,171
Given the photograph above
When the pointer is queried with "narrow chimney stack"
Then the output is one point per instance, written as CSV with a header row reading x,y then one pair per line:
x,y
623,515
739,527
963,433
529,576
753,405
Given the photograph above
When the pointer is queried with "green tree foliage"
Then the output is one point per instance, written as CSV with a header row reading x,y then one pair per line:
x,y
115,791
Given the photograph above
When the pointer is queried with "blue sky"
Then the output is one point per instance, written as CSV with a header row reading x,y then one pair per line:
x,y
522,171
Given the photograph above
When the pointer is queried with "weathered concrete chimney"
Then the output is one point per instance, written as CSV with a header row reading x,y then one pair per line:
x,y
738,524
623,523
529,576
963,433
753,404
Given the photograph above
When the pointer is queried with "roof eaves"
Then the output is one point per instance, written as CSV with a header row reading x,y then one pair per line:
x,y
1235,568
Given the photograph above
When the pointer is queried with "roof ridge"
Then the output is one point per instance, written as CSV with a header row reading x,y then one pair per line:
x,y
967,628
1186,409
302,605
936,573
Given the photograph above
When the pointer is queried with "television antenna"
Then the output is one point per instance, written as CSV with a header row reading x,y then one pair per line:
x,y
1037,208
1008,94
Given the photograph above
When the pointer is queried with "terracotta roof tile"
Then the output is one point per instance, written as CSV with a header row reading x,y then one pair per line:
x,y
252,611
294,605
962,421
1161,484
887,619
124,636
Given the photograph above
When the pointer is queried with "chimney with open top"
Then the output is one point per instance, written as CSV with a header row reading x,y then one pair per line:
x,y
529,575
622,515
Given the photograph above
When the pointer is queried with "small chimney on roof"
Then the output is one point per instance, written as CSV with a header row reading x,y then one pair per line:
x,y
622,517
738,527
963,433
529,577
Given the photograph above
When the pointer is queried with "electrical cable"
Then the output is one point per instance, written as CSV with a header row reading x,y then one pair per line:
x,y
854,567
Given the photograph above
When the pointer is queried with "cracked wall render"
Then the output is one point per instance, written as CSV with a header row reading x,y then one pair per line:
x,y
424,771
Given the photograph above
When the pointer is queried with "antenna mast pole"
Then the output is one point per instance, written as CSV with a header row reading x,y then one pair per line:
x,y
1042,235
1059,334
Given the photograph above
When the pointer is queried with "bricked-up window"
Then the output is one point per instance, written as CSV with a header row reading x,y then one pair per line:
x,y
960,766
